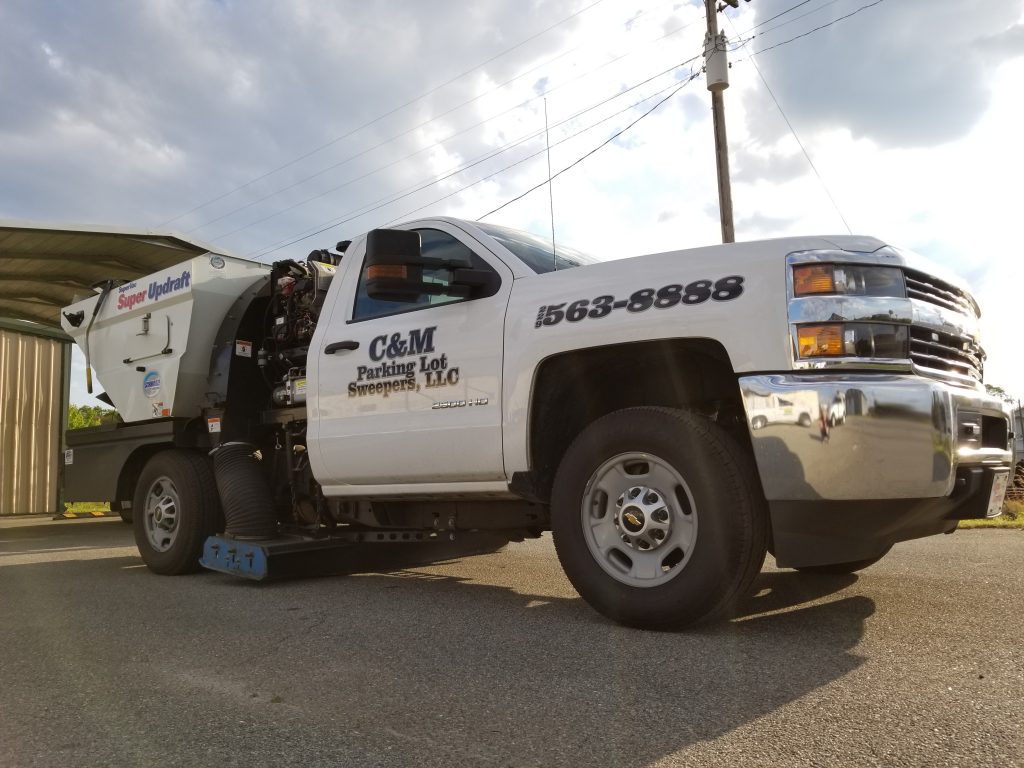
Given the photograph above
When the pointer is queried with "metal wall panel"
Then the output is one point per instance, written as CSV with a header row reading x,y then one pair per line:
x,y
31,383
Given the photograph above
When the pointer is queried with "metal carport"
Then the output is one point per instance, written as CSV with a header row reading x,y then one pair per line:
x,y
44,267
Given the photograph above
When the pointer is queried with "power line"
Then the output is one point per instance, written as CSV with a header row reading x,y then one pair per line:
x,y
476,161
408,131
816,29
384,202
777,15
390,199
742,38
803,149
361,212
591,152
381,117
795,19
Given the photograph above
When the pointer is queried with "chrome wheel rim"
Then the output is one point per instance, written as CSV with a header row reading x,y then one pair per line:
x,y
160,516
639,519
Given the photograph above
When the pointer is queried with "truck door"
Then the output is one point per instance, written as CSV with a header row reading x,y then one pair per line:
x,y
409,393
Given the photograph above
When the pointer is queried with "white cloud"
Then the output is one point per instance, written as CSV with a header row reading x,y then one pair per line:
x,y
906,73
134,113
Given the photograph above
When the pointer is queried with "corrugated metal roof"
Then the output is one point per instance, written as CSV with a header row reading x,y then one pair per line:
x,y
43,267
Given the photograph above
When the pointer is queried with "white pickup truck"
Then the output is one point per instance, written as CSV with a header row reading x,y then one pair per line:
x,y
450,377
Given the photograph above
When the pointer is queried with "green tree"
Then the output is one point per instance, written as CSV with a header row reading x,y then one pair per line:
x,y
80,416
999,392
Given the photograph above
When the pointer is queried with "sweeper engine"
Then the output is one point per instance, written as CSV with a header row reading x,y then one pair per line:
x,y
298,290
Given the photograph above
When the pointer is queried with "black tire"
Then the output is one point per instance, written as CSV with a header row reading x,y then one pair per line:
x,y
730,542
838,569
126,514
804,420
759,422
197,510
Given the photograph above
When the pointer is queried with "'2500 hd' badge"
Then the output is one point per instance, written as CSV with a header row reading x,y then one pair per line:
x,y
459,403
666,297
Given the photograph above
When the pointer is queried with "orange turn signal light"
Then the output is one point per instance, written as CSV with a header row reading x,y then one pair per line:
x,y
820,340
393,271
813,278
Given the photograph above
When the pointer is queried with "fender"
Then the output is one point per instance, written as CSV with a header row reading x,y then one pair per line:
x,y
734,295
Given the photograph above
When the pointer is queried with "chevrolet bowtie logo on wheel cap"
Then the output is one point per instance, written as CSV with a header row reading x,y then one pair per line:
x,y
633,521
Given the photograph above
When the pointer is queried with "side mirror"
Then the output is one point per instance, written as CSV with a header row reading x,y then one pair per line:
x,y
394,270
394,265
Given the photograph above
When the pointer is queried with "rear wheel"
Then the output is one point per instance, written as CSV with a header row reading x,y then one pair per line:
x,y
658,518
175,509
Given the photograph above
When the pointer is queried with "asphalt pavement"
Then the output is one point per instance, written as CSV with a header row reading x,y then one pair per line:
x,y
494,660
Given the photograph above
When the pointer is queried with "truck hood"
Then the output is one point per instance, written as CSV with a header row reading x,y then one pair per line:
x,y
847,243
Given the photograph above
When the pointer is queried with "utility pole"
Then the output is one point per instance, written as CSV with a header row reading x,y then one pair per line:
x,y
717,68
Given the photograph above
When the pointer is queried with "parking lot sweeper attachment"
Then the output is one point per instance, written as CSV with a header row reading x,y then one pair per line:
x,y
150,341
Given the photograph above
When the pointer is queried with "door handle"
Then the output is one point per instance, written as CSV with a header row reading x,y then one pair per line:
x,y
330,349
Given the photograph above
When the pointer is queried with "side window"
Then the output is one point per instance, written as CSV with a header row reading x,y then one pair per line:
x,y
436,245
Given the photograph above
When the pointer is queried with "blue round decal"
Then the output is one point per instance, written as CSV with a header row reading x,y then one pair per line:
x,y
151,384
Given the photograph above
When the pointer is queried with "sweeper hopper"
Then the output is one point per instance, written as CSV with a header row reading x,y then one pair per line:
x,y
151,342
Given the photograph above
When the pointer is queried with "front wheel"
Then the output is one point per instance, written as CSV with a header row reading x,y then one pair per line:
x,y
658,518
175,509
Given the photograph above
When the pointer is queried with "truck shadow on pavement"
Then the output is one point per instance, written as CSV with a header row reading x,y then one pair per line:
x,y
501,665
429,668
779,590
528,679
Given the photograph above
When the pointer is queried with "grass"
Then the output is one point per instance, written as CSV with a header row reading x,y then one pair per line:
x,y
82,507
1012,517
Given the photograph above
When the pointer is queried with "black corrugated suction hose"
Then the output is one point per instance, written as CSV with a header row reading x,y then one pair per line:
x,y
244,492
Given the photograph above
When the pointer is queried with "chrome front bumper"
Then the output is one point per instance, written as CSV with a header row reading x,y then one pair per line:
x,y
894,436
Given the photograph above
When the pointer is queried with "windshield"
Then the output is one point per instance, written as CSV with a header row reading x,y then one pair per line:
x,y
535,251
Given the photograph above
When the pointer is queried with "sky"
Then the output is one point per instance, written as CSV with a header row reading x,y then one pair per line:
x,y
254,124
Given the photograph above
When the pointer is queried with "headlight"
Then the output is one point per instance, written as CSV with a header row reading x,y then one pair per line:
x,y
848,280
868,340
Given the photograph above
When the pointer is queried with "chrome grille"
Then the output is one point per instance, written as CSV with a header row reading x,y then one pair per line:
x,y
956,356
938,292
939,353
